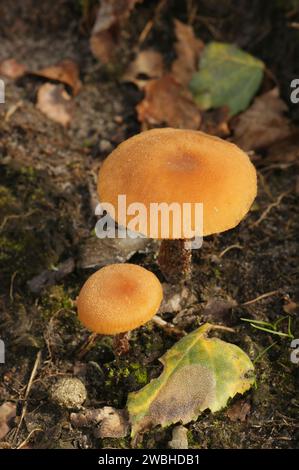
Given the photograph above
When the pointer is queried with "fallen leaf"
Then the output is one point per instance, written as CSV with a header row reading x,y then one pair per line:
x,y
179,438
291,308
227,76
167,102
147,65
215,122
55,103
176,298
199,373
50,277
284,151
106,421
96,253
188,49
239,411
264,123
65,71
10,68
105,32
218,310
7,412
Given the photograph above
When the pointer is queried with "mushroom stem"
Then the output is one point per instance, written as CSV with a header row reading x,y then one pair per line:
x,y
175,260
121,345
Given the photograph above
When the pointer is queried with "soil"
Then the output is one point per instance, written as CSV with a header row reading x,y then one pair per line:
x,y
47,200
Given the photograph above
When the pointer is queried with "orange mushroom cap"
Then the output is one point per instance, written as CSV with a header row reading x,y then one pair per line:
x,y
119,298
183,166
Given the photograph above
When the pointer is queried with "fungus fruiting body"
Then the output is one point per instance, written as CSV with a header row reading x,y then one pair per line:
x,y
179,166
119,298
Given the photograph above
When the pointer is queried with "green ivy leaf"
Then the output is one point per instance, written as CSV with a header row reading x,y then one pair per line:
x,y
199,373
228,76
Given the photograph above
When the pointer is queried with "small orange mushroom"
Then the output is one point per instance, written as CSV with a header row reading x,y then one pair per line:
x,y
183,166
119,298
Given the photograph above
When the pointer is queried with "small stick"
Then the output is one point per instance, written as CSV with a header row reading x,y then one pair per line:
x,y
28,388
87,345
28,437
12,280
269,208
260,297
168,327
231,247
221,327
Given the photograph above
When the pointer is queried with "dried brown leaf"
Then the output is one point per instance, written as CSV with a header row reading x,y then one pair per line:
x,y
148,64
65,71
10,68
55,103
105,34
109,421
239,411
167,102
218,310
7,412
188,48
291,308
215,122
263,123
284,151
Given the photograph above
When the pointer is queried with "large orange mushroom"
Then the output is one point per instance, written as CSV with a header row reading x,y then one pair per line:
x,y
180,166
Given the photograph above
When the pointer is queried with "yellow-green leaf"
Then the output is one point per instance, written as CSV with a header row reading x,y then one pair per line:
x,y
199,373
227,76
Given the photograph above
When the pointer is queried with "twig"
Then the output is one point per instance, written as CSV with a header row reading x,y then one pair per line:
x,y
12,280
260,297
28,388
16,216
12,110
145,32
29,437
276,203
87,345
168,327
264,184
263,352
191,11
231,247
221,327
149,25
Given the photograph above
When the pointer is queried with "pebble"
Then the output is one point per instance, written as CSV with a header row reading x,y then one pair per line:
x,y
68,392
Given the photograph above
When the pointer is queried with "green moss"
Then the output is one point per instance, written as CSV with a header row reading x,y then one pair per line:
x,y
192,441
139,373
9,247
55,298
29,172
217,273
6,197
116,443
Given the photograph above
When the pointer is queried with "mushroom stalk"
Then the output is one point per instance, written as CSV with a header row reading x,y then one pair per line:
x,y
174,260
121,345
